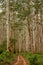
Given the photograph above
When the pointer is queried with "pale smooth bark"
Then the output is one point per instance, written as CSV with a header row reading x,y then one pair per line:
x,y
7,23
27,40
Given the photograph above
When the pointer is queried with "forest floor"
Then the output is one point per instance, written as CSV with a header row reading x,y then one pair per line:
x,y
20,61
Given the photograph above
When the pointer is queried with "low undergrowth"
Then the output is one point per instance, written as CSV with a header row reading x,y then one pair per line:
x,y
7,58
33,59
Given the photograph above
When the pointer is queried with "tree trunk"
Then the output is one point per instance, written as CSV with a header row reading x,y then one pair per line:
x,y
29,31
7,23
41,32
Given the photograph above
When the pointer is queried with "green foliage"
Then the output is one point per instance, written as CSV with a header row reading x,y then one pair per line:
x,y
13,40
34,59
7,58
3,46
18,25
23,8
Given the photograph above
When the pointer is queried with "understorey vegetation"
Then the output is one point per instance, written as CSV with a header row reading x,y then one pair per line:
x,y
8,58
21,31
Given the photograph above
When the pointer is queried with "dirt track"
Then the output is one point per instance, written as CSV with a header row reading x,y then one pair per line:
x,y
20,61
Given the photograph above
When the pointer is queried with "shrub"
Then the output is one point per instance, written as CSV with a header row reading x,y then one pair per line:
x,y
6,58
34,59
